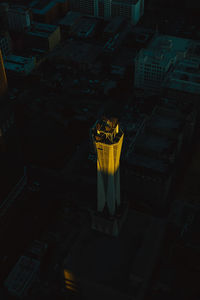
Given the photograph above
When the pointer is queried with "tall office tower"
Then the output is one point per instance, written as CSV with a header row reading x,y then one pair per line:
x,y
3,78
107,138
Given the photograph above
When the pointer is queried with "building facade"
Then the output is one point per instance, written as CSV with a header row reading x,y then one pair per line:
x,y
18,65
131,10
155,62
19,18
108,140
5,44
43,36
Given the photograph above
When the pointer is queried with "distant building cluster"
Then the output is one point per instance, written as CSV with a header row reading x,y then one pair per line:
x,y
39,27
106,109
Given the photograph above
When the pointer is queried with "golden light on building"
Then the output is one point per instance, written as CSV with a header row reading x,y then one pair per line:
x,y
70,281
108,139
3,78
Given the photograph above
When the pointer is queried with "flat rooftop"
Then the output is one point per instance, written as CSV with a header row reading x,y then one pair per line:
x,y
114,25
79,52
185,77
18,8
152,165
107,261
163,48
85,27
166,121
19,63
43,30
22,275
170,42
42,7
70,18
148,142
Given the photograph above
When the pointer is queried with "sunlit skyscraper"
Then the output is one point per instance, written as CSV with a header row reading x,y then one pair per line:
x,y
107,139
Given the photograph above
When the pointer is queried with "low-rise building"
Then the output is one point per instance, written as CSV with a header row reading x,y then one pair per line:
x,y
48,11
5,44
19,18
114,26
152,154
153,63
70,20
43,36
22,276
182,85
18,65
85,28
79,54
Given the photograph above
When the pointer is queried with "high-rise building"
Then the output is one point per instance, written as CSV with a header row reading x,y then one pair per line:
x,y
3,78
107,138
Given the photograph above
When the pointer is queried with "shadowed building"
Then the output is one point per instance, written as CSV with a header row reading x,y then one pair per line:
x,y
12,172
3,79
130,9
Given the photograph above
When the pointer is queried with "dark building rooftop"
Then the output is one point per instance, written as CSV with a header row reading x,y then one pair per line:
x,y
108,264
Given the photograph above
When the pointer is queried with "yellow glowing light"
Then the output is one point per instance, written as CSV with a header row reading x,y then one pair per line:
x,y
70,280
117,128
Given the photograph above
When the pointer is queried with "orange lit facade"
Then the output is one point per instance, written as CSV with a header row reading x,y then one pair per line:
x,y
3,78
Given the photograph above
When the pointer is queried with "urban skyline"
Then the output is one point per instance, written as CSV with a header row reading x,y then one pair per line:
x,y
99,149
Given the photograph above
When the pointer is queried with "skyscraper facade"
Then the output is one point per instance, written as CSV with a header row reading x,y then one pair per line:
x,y
108,139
